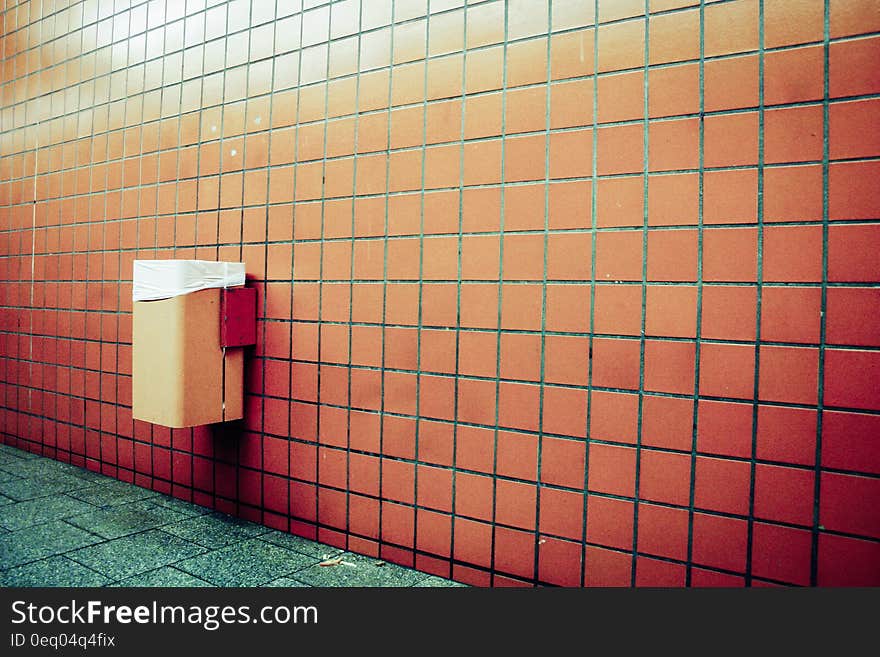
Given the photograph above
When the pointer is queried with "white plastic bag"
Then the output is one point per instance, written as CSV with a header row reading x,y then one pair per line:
x,y
163,279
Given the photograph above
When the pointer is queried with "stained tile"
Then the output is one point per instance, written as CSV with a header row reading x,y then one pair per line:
x,y
113,522
215,530
54,571
132,555
250,563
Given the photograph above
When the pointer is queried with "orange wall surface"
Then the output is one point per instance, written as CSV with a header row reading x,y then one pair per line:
x,y
551,293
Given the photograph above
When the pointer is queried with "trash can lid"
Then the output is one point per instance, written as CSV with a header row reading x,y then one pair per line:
x,y
163,279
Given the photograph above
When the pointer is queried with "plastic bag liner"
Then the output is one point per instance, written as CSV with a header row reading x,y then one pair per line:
x,y
163,279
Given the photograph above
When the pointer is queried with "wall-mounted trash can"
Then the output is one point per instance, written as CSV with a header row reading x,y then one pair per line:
x,y
191,322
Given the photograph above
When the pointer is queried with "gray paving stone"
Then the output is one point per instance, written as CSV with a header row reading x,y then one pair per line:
x,y
19,515
18,453
40,541
165,576
112,493
54,571
37,492
87,475
215,530
38,486
116,521
39,467
135,554
8,476
250,563
287,583
185,508
298,544
357,570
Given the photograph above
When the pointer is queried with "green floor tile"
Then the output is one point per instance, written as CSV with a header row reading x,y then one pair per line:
x,y
54,571
111,536
38,467
18,453
39,486
112,493
297,544
165,576
87,475
356,570
116,521
135,554
8,476
215,530
186,508
251,563
19,515
42,541
48,468
287,583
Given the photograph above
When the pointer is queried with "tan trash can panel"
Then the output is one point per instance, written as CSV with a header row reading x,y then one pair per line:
x,y
182,376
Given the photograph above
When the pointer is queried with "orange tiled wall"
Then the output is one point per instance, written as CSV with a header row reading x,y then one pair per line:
x,y
551,293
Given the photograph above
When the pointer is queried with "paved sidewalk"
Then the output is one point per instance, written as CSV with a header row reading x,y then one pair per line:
x,y
61,525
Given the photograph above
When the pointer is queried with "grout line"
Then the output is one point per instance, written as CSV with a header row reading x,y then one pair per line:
x,y
758,312
594,181
418,329
505,96
697,348
644,296
823,325
352,265
386,224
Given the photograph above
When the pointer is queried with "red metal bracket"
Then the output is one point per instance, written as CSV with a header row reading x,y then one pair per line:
x,y
238,320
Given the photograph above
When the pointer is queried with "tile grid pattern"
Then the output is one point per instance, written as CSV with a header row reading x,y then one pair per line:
x,y
621,458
